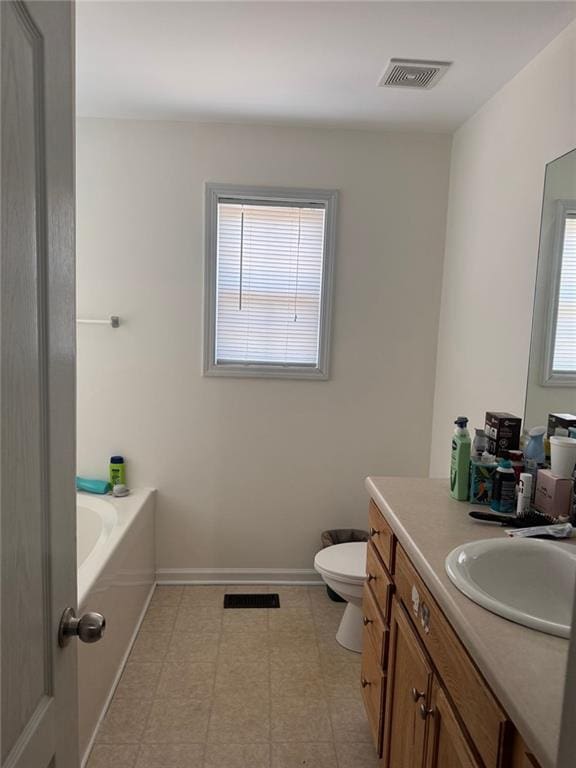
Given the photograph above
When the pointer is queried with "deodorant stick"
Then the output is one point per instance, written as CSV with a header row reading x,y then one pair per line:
x,y
524,494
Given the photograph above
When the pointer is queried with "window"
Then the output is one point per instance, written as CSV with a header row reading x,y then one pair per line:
x,y
268,281
560,368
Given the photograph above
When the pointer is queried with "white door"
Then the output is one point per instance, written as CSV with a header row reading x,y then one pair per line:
x,y
37,382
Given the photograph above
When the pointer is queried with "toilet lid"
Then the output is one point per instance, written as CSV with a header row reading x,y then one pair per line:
x,y
344,560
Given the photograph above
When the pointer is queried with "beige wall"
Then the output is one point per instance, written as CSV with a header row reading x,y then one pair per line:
x,y
496,185
250,471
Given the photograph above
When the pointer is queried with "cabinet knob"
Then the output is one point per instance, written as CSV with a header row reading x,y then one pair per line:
x,y
366,621
374,532
424,711
364,683
416,694
371,577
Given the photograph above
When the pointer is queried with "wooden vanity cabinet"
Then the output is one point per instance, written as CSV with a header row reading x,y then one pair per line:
x,y
409,687
447,745
422,730
436,710
521,755
376,606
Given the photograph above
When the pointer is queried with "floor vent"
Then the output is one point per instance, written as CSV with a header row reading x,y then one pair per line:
x,y
252,601
413,73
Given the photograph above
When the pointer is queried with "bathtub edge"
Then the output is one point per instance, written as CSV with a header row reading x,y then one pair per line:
x,y
85,757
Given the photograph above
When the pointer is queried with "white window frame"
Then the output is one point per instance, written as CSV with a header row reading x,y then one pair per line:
x,y
213,194
551,378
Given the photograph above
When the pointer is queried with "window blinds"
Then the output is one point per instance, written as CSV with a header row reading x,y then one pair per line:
x,y
565,337
269,282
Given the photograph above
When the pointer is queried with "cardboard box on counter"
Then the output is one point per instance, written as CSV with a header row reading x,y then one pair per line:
x,y
553,495
562,420
503,431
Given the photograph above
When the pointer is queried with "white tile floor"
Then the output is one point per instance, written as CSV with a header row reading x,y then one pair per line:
x,y
206,687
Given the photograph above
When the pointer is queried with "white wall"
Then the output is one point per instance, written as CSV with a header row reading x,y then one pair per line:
x,y
250,471
496,184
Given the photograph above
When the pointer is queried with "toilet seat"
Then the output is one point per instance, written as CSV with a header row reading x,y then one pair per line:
x,y
344,562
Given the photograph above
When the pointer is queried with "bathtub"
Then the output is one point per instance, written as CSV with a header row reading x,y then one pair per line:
x,y
115,555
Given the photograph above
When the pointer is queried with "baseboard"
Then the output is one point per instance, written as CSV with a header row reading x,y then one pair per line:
x,y
86,755
279,576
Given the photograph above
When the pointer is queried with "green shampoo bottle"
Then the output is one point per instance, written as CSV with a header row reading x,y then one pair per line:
x,y
460,460
117,471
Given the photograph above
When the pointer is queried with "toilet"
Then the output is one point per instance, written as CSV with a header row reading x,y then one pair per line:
x,y
343,569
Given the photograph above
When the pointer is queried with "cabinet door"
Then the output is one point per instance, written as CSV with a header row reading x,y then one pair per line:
x,y
372,681
447,744
409,687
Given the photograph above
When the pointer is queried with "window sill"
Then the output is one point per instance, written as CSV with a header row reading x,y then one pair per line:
x,y
560,380
265,372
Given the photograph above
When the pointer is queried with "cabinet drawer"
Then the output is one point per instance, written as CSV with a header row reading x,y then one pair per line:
x,y
380,535
379,581
478,709
372,681
374,628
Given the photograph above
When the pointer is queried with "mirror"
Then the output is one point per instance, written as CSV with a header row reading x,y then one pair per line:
x,y
552,372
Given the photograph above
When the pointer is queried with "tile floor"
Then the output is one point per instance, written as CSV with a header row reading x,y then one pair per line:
x,y
211,688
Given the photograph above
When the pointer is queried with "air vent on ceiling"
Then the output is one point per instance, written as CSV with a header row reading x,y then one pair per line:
x,y
413,73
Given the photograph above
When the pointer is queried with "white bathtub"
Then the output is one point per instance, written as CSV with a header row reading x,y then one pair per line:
x,y
115,552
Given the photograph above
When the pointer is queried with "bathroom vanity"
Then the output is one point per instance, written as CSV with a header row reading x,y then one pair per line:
x,y
446,683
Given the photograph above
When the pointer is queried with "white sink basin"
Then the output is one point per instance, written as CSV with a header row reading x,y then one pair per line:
x,y
526,581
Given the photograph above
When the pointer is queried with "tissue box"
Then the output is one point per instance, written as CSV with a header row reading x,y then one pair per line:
x,y
481,479
503,431
553,495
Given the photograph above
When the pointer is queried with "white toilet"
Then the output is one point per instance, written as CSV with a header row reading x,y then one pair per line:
x,y
343,568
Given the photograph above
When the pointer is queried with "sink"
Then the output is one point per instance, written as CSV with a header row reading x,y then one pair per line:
x,y
526,581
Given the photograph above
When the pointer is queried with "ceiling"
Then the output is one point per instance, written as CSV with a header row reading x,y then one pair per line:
x,y
302,62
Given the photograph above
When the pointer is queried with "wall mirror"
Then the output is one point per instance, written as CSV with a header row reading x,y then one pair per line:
x,y
552,371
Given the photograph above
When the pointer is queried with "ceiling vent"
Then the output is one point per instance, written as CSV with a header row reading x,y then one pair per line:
x,y
413,73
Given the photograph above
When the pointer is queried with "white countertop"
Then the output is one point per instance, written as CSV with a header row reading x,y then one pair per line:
x,y
524,668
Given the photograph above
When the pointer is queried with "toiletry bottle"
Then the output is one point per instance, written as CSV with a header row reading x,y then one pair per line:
x,y
517,459
531,468
117,471
524,494
481,477
504,488
460,460
480,443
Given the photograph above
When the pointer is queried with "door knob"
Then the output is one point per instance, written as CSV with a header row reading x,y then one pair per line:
x,y
89,627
